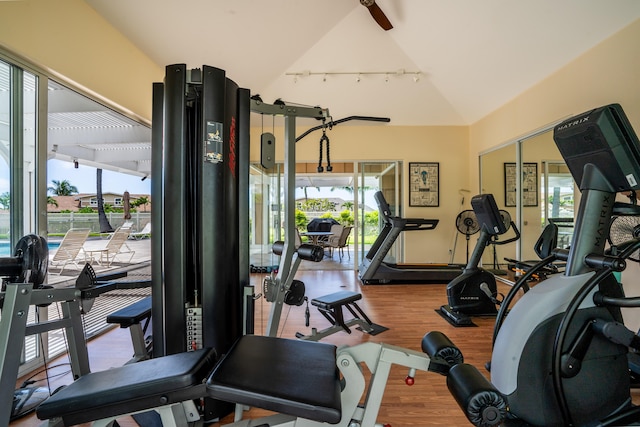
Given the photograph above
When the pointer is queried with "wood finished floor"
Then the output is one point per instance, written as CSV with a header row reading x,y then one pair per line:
x,y
407,310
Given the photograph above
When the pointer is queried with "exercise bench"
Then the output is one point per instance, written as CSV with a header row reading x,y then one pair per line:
x,y
309,384
167,385
331,307
132,317
265,372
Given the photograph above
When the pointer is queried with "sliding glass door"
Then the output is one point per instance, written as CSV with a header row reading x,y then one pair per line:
x,y
373,177
22,172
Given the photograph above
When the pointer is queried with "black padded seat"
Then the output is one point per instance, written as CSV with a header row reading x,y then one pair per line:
x,y
132,314
130,388
298,378
336,299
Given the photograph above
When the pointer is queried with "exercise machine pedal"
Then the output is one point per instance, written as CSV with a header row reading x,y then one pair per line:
x,y
455,317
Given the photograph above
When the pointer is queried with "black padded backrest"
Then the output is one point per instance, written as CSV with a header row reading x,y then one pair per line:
x,y
547,241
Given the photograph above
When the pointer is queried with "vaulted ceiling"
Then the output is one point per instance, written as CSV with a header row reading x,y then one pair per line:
x,y
445,62
473,56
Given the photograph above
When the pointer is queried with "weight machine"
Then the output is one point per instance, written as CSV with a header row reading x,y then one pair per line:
x,y
22,290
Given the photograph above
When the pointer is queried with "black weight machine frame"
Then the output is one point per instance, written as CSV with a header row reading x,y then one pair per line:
x,y
24,290
289,259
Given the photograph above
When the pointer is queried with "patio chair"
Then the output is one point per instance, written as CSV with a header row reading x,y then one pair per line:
x,y
116,245
144,233
69,249
329,242
339,242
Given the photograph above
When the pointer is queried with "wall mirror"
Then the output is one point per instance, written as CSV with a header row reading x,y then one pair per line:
x,y
530,181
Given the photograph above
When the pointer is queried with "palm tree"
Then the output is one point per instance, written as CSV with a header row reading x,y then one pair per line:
x,y
52,201
105,227
62,188
141,201
5,200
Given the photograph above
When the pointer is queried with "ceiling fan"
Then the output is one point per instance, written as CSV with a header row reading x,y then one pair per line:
x,y
377,13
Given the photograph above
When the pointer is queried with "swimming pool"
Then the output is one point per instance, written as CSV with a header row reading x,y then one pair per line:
x,y
7,250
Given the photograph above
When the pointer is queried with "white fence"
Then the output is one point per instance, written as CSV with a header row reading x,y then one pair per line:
x,y
59,223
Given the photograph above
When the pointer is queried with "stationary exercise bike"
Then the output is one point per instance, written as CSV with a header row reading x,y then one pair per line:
x,y
474,292
560,356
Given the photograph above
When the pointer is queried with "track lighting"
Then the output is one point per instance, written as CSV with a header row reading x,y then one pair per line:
x,y
76,164
358,74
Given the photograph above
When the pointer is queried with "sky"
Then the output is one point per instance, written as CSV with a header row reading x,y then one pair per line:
x,y
84,178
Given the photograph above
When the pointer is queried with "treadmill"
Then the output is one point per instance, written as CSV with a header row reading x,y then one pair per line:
x,y
375,270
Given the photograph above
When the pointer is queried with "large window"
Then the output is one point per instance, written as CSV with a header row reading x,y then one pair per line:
x,y
19,170
5,177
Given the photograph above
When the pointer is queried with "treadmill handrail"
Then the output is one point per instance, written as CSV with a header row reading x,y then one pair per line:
x,y
407,224
413,224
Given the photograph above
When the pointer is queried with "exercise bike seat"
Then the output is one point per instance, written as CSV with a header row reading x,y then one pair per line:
x,y
129,388
293,377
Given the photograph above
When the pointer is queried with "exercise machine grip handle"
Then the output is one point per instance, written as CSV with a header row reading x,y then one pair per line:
x,y
482,404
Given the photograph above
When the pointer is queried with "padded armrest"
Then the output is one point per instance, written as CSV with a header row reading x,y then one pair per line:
x,y
298,378
132,387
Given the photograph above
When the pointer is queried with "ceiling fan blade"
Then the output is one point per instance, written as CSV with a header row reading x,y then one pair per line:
x,y
380,17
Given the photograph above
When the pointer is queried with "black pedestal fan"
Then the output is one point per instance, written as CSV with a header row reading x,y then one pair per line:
x,y
467,224
623,229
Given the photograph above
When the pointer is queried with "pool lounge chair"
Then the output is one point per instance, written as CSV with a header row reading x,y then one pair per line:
x,y
69,250
142,234
116,245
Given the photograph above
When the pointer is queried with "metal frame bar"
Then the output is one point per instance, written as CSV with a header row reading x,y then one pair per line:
x,y
286,268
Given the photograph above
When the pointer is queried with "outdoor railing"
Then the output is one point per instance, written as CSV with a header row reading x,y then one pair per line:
x,y
60,223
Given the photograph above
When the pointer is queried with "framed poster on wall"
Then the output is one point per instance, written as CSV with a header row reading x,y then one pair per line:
x,y
424,184
529,184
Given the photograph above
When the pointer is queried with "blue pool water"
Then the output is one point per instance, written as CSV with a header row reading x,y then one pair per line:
x,y
6,250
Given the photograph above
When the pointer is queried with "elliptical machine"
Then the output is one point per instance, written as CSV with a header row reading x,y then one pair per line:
x,y
474,292
560,356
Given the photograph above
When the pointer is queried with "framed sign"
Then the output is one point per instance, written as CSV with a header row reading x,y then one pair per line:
x,y
424,184
529,184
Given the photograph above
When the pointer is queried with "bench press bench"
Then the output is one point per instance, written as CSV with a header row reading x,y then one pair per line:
x,y
132,317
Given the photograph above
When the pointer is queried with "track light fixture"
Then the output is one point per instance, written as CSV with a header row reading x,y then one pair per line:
x,y
358,74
